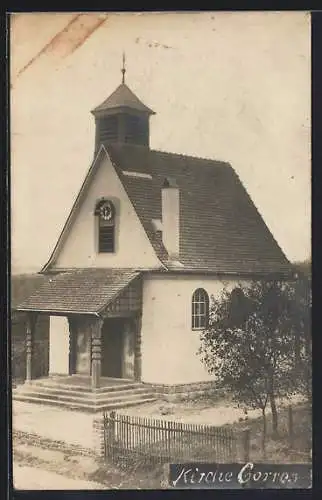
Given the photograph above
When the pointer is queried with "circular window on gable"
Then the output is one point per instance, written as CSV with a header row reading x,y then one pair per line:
x,y
105,209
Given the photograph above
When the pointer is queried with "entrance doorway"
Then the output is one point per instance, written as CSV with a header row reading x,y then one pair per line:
x,y
112,347
83,352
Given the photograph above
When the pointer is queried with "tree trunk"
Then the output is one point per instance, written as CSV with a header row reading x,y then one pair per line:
x,y
297,353
274,414
264,432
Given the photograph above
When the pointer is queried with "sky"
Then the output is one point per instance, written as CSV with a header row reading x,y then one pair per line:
x,y
232,86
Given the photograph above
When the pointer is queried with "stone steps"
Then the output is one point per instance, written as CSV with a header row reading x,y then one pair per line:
x,y
77,397
85,406
81,388
115,397
63,391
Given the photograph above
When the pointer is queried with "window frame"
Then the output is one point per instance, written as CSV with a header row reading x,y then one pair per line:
x,y
102,224
199,320
103,246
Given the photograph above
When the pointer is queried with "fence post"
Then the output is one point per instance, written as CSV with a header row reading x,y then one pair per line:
x,y
111,432
290,426
112,424
246,444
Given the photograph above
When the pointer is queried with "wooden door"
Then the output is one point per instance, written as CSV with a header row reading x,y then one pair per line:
x,y
112,343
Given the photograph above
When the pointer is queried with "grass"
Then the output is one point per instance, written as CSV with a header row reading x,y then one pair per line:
x,y
278,449
215,449
136,476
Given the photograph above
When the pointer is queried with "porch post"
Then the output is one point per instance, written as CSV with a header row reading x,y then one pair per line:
x,y
137,349
96,352
30,330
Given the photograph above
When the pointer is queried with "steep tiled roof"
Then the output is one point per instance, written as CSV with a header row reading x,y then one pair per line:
x,y
80,291
122,97
220,227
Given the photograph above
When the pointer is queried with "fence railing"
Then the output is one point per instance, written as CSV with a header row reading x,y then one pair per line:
x,y
160,441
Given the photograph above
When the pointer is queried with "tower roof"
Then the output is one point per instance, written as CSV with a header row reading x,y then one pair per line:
x,y
122,97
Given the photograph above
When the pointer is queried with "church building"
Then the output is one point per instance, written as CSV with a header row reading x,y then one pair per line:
x,y
151,236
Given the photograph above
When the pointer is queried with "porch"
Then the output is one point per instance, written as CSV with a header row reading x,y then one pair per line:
x,y
75,392
97,313
81,381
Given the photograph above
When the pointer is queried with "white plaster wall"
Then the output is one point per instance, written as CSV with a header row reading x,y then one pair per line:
x,y
169,345
58,345
133,248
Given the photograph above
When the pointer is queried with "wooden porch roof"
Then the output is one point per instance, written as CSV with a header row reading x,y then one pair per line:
x,y
81,291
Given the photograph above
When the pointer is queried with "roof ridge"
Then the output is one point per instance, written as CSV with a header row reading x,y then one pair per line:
x,y
93,269
192,157
181,155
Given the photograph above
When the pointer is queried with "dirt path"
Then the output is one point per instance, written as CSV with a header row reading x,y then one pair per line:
x,y
40,468
53,423
34,478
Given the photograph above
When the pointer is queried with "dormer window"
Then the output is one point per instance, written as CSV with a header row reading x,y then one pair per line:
x,y
105,213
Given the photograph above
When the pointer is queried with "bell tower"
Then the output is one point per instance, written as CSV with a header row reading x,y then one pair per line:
x,y
122,118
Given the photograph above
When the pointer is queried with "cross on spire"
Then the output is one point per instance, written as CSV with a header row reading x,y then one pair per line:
x,y
123,69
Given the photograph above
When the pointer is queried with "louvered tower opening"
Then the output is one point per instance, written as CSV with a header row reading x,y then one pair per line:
x,y
136,130
108,129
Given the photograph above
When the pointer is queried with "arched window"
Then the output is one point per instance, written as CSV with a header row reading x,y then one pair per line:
x,y
105,213
237,295
200,309
238,306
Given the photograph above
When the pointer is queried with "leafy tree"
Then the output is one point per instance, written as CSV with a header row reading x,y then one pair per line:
x,y
255,342
300,291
